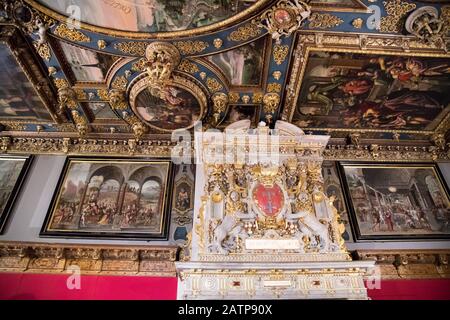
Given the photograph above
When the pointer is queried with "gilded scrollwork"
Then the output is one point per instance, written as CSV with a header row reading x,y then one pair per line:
x,y
280,52
191,47
245,32
324,21
134,48
71,34
396,10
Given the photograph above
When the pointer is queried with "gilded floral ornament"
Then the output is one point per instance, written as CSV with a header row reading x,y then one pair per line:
x,y
284,18
271,102
213,85
245,32
191,47
139,65
257,97
117,99
138,128
103,94
80,123
43,49
71,34
134,48
274,87
324,21
120,83
358,23
280,53
101,44
396,10
234,97
220,103
188,66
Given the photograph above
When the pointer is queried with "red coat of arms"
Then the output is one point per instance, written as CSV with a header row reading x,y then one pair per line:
x,y
270,200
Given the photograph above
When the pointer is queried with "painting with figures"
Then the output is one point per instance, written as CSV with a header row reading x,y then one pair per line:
x,y
151,15
111,198
370,91
12,173
396,201
177,108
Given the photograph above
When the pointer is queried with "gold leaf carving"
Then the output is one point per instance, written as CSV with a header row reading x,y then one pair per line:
x,y
132,48
43,50
396,10
119,83
188,66
191,47
213,85
245,32
274,87
280,53
324,21
71,34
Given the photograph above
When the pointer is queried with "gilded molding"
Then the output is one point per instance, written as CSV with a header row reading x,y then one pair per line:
x,y
191,47
67,33
324,21
103,260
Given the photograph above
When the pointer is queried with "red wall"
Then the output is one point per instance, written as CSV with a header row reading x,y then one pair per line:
x,y
40,286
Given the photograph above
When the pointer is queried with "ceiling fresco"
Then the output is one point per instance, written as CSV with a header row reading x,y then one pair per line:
x,y
149,15
142,69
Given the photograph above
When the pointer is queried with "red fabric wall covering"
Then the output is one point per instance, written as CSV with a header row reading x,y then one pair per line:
x,y
43,286
433,289
54,287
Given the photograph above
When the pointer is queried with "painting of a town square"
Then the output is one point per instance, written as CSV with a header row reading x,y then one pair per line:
x,y
397,201
111,198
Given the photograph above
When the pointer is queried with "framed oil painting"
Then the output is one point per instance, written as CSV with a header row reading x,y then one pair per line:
x,y
356,90
393,201
13,170
111,198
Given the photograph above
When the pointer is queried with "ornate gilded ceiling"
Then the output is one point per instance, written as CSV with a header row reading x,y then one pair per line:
x,y
117,70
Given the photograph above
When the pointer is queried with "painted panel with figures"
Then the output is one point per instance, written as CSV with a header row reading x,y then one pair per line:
x,y
111,198
397,201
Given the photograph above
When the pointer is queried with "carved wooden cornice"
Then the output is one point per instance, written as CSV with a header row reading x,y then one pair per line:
x,y
91,259
160,260
408,264
162,146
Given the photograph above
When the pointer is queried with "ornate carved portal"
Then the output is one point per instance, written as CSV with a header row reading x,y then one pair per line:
x,y
263,227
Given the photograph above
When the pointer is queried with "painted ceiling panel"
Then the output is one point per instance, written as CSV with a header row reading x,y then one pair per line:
x,y
370,91
18,99
87,66
242,66
149,15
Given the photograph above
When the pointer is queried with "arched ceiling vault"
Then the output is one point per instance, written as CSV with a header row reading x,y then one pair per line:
x,y
359,70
